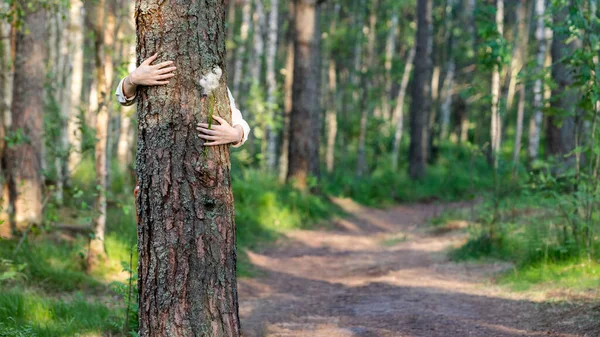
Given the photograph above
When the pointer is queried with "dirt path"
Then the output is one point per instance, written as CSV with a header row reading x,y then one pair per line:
x,y
379,274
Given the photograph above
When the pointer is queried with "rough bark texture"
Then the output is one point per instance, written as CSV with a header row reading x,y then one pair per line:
x,y
186,229
24,159
303,147
563,128
421,93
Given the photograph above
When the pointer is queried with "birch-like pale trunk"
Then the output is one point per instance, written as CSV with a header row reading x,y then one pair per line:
x,y
523,37
390,49
272,84
398,115
535,125
496,123
6,87
76,22
96,251
331,114
241,49
448,86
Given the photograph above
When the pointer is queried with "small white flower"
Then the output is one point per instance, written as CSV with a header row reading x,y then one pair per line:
x,y
210,81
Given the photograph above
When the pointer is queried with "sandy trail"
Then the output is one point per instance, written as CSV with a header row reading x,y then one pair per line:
x,y
381,273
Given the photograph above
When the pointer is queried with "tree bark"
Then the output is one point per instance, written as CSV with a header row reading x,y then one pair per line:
x,y
390,50
563,129
96,251
303,147
6,87
272,85
496,122
521,55
241,49
287,93
535,125
361,161
24,158
421,93
186,229
398,115
76,22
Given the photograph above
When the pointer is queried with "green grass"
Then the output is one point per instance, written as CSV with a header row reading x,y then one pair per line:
x,y
576,275
27,313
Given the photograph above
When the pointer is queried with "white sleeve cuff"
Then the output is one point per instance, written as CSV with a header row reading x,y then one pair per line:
x,y
121,98
238,119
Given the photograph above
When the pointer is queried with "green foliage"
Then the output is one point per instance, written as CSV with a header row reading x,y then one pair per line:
x,y
456,175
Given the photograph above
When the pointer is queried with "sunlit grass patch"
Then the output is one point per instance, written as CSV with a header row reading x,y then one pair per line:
x,y
27,313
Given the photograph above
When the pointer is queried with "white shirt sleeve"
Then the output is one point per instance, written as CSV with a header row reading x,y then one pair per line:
x,y
236,114
237,119
121,98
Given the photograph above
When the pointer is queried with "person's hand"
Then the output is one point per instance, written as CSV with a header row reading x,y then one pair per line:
x,y
220,134
148,74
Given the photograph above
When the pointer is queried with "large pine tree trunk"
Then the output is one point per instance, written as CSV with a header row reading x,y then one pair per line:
x,y
303,145
186,229
24,159
421,93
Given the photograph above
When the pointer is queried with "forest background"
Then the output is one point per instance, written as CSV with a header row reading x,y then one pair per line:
x,y
493,102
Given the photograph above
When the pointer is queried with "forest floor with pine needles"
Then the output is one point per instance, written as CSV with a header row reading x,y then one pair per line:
x,y
380,273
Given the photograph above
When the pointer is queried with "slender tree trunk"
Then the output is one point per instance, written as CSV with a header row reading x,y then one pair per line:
x,y
563,130
287,92
366,83
448,86
186,229
421,93
259,43
241,50
24,159
398,115
523,37
272,85
76,22
303,147
96,246
6,87
126,132
390,50
331,113
496,123
535,125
